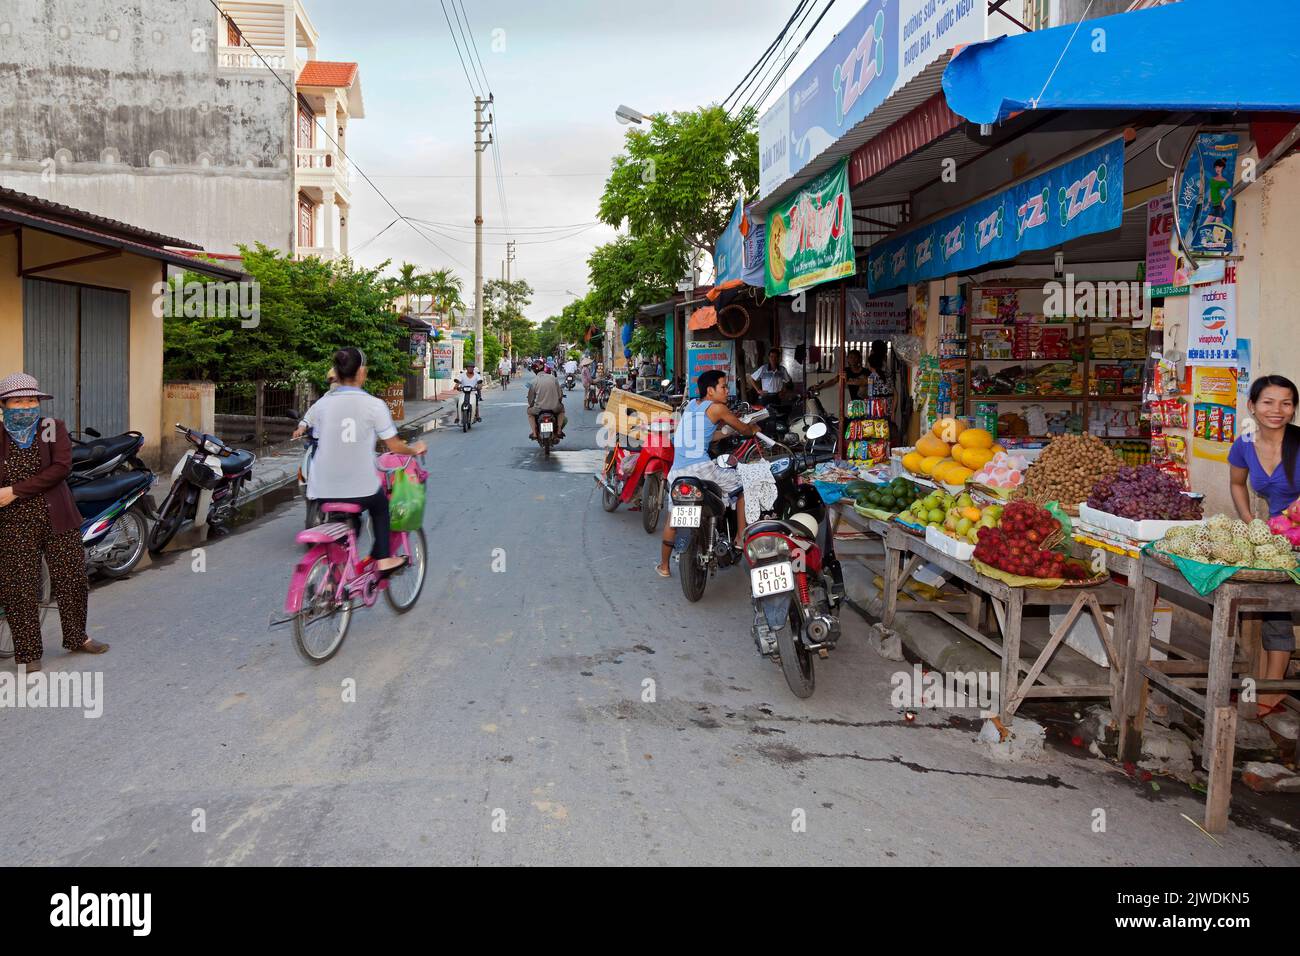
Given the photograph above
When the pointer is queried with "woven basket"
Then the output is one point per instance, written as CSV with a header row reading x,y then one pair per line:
x,y
1245,575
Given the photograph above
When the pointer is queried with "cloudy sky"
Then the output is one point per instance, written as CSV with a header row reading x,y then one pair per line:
x,y
558,70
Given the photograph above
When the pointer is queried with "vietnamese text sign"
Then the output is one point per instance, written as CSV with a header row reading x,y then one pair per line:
x,y
810,234
873,317
884,45
1078,198
1214,412
729,253
1212,325
441,360
1165,269
705,354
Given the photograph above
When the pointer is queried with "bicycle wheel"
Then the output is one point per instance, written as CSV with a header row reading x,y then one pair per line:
x,y
321,625
7,635
405,586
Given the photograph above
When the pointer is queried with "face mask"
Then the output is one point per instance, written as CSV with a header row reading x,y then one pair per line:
x,y
21,424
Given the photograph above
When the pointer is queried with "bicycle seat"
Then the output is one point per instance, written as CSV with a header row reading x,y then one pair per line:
x,y
325,533
340,507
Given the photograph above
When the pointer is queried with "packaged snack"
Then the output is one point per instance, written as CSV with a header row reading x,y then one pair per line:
x,y
1175,413
1229,425
1159,447
1175,446
1214,424
1157,415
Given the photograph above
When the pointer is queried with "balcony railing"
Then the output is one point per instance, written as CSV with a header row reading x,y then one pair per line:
x,y
243,58
318,159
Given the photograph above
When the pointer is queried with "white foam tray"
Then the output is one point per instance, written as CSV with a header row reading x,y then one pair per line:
x,y
949,546
1137,530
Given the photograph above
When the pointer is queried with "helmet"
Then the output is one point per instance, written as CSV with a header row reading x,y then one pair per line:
x,y
538,366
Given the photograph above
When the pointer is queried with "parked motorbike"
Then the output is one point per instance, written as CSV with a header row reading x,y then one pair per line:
x,y
115,511
106,456
547,430
796,581
627,475
205,481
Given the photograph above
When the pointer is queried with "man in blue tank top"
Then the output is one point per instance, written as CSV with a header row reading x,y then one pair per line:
x,y
698,426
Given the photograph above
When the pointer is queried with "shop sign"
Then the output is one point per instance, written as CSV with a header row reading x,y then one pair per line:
x,y
705,354
442,360
810,234
886,44
729,253
874,317
1205,212
755,250
1212,325
1078,198
419,349
1214,412
1166,269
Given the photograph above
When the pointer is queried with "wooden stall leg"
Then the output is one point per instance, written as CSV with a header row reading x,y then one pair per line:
x,y
976,611
1222,647
1222,724
893,568
1121,636
1252,645
1138,652
1010,654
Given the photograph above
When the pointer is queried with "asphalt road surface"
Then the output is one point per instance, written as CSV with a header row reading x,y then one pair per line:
x,y
508,718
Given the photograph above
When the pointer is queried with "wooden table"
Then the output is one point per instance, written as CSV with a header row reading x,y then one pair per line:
x,y
905,552
1181,675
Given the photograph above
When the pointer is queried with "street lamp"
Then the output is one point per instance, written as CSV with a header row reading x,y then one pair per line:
x,y
626,115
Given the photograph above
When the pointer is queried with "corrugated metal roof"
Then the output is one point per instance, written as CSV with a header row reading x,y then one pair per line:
x,y
918,129
916,92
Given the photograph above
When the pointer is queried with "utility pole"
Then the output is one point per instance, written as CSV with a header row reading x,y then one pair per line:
x,y
480,144
510,298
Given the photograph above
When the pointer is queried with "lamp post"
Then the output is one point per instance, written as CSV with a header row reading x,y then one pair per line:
x,y
626,115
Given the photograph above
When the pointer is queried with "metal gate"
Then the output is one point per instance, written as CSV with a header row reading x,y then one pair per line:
x,y
76,341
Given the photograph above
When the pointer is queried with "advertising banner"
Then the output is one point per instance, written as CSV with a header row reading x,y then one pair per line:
x,y
755,230
1214,412
1166,269
874,317
441,360
1205,213
810,234
705,354
1243,367
1212,325
729,253
886,44
1078,198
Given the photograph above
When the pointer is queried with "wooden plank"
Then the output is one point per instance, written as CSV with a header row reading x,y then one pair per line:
x,y
1010,655
1069,690
1197,701
1170,649
1222,739
989,644
975,597
1053,642
1136,655
1235,683
1221,653
1193,667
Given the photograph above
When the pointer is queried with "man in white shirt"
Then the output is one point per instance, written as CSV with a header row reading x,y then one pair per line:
x,y
470,377
771,378
503,368
571,367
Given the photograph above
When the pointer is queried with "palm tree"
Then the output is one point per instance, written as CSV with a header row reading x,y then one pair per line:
x,y
424,285
406,283
445,288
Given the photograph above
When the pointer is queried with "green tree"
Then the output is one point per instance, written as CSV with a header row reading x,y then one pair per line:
x,y
492,351
446,287
633,271
648,339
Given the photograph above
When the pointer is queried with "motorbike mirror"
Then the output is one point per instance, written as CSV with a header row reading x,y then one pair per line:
x,y
815,431
666,382
91,432
726,461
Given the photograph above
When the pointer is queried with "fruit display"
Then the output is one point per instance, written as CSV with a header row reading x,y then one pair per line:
x,y
1068,469
1287,524
956,516
1230,541
1144,494
892,498
951,452
1016,545
1003,472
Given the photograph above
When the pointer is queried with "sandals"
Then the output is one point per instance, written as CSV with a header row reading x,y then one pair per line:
x,y
400,566
1262,712
662,573
90,646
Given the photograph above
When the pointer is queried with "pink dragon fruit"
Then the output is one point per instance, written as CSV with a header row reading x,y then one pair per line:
x,y
1293,512
1280,524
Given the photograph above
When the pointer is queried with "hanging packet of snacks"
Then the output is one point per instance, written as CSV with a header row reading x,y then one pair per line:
x,y
1175,413
1176,448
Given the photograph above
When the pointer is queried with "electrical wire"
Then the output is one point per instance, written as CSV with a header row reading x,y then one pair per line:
x,y
777,79
775,63
766,53
456,43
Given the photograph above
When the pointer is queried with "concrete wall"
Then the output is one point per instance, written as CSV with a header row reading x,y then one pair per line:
x,y
117,107
192,404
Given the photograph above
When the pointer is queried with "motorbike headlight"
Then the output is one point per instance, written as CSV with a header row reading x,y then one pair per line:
x,y
210,447
767,546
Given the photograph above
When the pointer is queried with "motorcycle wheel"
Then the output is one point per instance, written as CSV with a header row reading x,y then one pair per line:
x,y
464,421
169,522
796,660
693,576
546,449
604,400
652,500
43,603
134,527
608,500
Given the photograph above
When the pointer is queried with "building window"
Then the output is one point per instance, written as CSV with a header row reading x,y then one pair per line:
x,y
306,127
232,34
306,223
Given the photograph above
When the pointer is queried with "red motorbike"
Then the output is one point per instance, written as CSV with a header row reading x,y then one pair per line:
x,y
645,471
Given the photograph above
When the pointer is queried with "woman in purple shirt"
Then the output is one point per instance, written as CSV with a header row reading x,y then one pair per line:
x,y
1268,456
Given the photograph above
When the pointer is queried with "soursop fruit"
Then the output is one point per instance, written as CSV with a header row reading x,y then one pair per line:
x,y
1218,522
1226,552
1267,553
1180,546
1281,543
1247,552
1286,562
1257,532
1239,529
1198,552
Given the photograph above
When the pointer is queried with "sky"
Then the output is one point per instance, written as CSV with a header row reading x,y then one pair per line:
x,y
558,70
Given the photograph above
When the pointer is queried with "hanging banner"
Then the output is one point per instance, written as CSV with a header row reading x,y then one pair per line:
x,y
1078,198
1166,269
755,233
810,234
883,46
1214,412
729,253
1243,368
1205,213
441,360
705,354
873,317
1212,325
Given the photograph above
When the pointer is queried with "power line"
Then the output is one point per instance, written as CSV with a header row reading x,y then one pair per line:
x,y
766,53
777,79
559,227
774,64
455,43
473,44
471,176
376,235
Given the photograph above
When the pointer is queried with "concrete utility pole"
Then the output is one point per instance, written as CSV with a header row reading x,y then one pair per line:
x,y
480,144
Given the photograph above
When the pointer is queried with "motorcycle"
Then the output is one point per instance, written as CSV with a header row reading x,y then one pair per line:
x,y
570,381
603,389
796,582
106,456
115,511
205,481
466,407
547,430
622,483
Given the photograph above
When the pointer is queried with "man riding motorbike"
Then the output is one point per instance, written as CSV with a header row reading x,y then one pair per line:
x,y
545,394
470,377
696,430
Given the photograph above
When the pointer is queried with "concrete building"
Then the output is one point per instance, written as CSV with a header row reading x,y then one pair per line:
x,y
163,114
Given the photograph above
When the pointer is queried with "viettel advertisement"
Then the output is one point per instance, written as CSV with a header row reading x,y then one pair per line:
x,y
810,234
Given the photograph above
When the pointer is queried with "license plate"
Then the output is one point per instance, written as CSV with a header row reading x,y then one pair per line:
x,y
685,516
771,579
547,428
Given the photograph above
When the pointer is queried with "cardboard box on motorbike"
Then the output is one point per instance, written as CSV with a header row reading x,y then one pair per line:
x,y
630,414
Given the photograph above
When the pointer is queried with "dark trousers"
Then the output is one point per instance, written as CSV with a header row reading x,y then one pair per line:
x,y
20,577
377,507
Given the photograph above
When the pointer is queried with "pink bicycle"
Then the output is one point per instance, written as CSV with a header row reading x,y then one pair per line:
x,y
332,579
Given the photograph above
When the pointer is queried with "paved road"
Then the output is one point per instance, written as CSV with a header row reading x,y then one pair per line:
x,y
515,697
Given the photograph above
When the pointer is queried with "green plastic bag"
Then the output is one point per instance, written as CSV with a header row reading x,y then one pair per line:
x,y
406,503
1056,511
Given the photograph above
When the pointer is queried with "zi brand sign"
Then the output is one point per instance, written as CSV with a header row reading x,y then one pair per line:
x,y
886,44
810,234
1078,198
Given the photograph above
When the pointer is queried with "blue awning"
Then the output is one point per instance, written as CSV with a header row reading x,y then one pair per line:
x,y
1193,56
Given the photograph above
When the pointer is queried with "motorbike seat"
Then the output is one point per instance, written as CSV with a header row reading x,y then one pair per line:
x,y
112,487
773,525
102,449
237,462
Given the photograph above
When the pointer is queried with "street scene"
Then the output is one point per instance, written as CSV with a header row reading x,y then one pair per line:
x,y
875,446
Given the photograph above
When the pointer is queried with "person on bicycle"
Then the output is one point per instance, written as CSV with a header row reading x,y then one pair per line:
x,y
347,422
545,394
472,378
503,369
